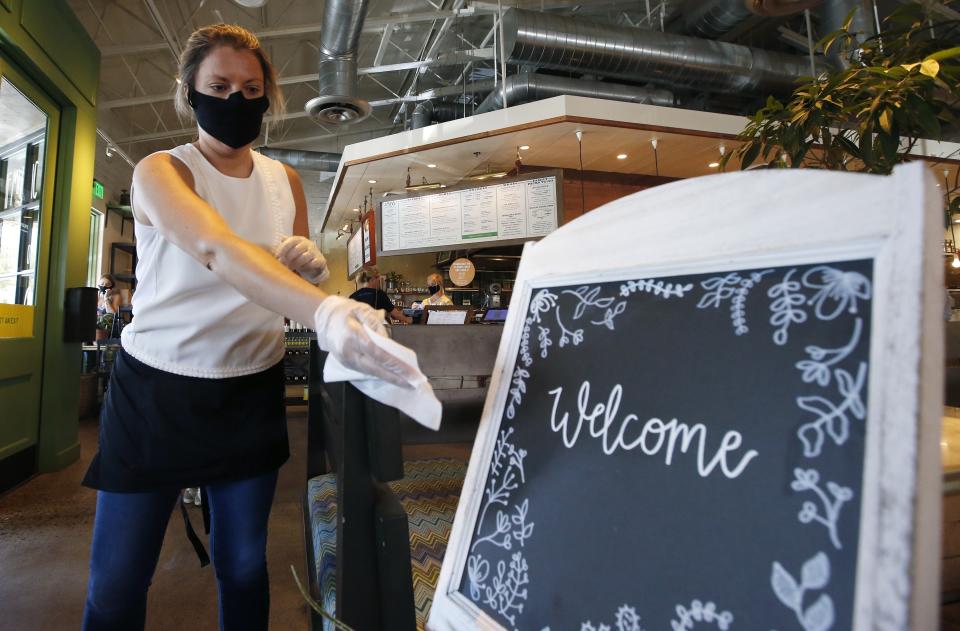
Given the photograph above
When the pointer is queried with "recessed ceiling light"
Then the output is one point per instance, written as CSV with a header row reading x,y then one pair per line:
x,y
621,156
713,165
524,147
431,166
372,181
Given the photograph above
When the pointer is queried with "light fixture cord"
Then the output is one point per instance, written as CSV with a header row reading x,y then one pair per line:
x,y
583,204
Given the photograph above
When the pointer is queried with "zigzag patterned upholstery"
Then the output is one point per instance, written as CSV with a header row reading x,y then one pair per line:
x,y
429,493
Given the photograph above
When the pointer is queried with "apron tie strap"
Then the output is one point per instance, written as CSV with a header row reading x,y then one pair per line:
x,y
192,535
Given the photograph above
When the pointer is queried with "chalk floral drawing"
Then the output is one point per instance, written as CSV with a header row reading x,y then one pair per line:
x,y
814,575
506,474
836,290
544,339
733,287
478,569
809,480
587,297
520,376
543,302
687,618
655,287
626,619
832,419
785,306
507,590
817,368
525,356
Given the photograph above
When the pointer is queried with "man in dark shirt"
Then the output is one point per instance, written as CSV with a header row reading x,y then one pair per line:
x,y
371,294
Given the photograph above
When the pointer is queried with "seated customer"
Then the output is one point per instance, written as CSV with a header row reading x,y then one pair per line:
x,y
437,295
371,294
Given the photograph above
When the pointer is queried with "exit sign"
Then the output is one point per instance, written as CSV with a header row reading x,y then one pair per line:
x,y
97,189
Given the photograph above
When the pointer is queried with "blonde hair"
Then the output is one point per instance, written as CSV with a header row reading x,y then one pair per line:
x,y
206,39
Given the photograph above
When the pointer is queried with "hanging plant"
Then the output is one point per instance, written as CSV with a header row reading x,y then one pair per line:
x,y
900,86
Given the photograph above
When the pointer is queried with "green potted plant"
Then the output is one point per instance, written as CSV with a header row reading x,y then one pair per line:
x,y
899,86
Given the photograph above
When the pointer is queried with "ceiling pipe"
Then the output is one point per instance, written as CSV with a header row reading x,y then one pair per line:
x,y
575,45
718,17
530,86
429,112
832,15
715,18
780,8
339,102
306,160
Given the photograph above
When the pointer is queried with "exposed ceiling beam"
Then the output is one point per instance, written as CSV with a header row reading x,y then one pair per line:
x,y
382,48
370,25
186,131
444,59
169,40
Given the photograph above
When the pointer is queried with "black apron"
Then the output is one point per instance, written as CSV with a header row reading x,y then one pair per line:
x,y
159,430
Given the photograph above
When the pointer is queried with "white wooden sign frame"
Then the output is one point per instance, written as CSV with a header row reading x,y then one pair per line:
x,y
723,223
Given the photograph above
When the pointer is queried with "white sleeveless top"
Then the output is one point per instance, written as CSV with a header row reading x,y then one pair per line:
x,y
187,320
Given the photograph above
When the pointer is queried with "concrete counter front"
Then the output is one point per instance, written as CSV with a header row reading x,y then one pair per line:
x,y
458,360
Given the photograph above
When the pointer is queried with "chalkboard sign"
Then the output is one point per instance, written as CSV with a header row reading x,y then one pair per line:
x,y
702,446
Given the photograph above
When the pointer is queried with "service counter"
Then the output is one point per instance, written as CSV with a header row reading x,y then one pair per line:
x,y
458,360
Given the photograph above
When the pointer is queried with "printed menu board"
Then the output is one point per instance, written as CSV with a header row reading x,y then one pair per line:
x,y
354,253
518,209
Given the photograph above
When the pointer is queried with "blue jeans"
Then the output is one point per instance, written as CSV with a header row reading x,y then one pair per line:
x,y
128,532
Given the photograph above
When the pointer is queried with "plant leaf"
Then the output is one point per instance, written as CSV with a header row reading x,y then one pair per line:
x,y
785,587
930,67
816,572
819,616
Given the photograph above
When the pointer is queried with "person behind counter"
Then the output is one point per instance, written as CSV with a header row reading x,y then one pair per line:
x,y
437,295
372,295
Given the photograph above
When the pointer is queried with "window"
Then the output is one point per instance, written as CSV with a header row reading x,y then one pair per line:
x,y
94,247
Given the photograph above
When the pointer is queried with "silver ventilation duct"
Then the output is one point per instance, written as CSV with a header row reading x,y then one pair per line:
x,y
306,160
834,12
530,86
339,101
715,18
574,45
429,112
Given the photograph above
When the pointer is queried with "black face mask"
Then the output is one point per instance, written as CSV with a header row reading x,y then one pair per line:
x,y
234,121
433,289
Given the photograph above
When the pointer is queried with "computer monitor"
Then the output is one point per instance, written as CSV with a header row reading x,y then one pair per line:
x,y
495,315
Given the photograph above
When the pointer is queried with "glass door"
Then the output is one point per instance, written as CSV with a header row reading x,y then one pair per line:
x,y
28,138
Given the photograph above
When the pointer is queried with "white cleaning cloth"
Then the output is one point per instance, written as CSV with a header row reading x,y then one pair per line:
x,y
418,402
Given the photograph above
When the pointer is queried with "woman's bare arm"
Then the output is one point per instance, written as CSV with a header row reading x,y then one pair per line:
x,y
167,201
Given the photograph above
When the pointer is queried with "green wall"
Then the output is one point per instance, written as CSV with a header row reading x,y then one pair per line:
x,y
47,42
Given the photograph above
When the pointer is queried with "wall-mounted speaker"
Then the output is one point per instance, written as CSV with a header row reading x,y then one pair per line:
x,y
80,314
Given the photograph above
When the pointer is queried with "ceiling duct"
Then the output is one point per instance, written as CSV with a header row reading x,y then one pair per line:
x,y
713,19
716,18
834,12
339,101
429,112
531,86
575,45
306,160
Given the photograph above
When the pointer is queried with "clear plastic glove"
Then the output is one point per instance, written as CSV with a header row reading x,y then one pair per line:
x,y
341,331
304,257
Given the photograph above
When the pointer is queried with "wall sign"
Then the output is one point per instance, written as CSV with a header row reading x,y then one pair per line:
x,y
369,238
734,439
513,210
462,272
354,253
16,321
97,190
